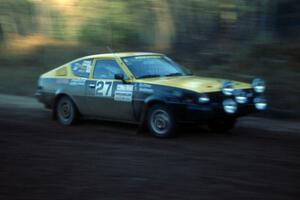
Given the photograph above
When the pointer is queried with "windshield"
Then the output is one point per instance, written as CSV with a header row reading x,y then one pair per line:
x,y
154,66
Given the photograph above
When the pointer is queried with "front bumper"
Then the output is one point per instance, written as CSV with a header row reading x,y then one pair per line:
x,y
197,112
206,112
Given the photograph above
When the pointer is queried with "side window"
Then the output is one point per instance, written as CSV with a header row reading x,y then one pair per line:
x,y
82,68
106,69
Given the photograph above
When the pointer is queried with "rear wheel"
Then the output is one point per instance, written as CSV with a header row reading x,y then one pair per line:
x,y
66,111
161,122
221,125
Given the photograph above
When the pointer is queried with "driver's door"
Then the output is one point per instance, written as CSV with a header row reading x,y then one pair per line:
x,y
107,97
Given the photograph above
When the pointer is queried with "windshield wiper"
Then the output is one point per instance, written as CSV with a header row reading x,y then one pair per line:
x,y
175,74
149,76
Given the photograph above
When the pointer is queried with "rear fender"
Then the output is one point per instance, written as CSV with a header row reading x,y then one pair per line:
x,y
58,94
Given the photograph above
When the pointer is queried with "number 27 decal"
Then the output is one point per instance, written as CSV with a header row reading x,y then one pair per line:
x,y
104,88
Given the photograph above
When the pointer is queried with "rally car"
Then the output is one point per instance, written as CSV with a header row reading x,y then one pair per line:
x,y
147,89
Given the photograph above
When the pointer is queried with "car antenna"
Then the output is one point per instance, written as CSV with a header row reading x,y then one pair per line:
x,y
110,49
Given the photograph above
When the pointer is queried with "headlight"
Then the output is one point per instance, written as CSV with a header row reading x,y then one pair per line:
x,y
227,88
260,103
230,106
203,98
240,96
259,85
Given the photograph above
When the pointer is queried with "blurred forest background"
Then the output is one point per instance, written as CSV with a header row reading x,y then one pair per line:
x,y
236,39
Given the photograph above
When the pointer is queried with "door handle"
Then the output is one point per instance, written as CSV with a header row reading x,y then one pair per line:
x,y
92,85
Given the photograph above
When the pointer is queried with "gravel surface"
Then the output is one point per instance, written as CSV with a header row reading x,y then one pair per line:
x,y
259,159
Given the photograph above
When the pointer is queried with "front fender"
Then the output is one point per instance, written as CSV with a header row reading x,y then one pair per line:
x,y
173,104
155,98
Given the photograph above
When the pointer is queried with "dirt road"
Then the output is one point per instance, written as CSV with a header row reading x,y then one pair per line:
x,y
259,159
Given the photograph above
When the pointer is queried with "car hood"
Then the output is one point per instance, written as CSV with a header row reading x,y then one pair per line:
x,y
193,83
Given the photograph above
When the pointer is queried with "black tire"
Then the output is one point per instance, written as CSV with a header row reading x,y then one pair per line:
x,y
161,122
66,111
222,125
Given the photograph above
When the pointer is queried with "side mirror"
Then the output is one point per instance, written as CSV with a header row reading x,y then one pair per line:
x,y
119,77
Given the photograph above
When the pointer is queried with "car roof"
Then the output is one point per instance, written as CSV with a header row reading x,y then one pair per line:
x,y
121,55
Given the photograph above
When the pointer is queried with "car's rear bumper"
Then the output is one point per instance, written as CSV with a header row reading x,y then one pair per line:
x,y
43,98
39,96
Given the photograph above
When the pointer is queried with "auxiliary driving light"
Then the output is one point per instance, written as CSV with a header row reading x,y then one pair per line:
x,y
260,103
240,96
203,98
259,85
230,106
227,88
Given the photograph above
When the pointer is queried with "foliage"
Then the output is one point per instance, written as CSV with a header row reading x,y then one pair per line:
x,y
117,23
17,17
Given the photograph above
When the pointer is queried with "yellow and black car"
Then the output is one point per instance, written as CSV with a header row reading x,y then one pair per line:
x,y
148,89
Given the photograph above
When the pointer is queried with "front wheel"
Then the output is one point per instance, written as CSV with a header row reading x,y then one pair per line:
x,y
221,125
66,111
161,122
